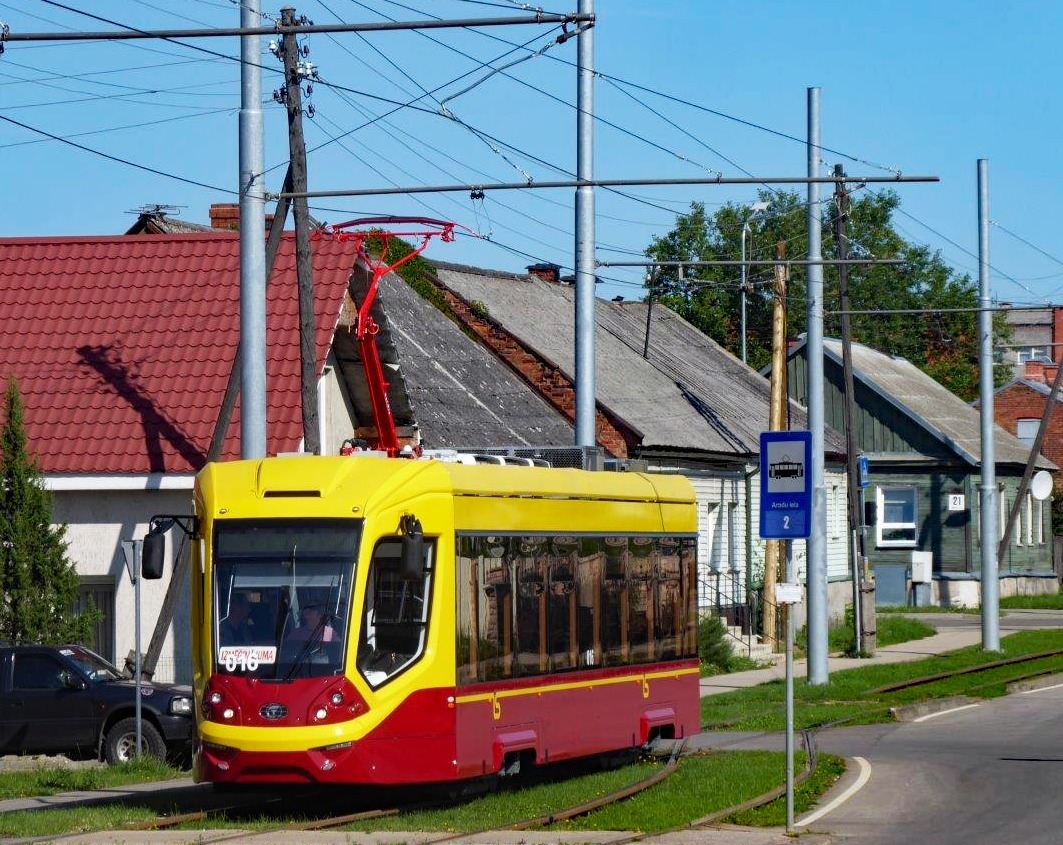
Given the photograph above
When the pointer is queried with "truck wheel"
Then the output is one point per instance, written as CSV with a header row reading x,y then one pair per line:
x,y
120,744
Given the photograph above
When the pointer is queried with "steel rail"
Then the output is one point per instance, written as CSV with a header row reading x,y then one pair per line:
x,y
969,670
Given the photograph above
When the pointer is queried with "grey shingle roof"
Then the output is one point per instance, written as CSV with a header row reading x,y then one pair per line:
x,y
458,393
938,410
689,394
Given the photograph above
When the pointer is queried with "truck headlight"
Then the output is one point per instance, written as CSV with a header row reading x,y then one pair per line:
x,y
181,706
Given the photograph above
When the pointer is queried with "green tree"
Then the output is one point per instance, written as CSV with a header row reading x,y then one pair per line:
x,y
942,343
38,583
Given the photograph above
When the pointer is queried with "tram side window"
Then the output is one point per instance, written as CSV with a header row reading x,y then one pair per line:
x,y
530,565
529,605
678,598
395,624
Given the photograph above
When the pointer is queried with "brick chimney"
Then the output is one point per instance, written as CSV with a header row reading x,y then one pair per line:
x,y
1035,371
226,215
1057,334
547,272
1049,376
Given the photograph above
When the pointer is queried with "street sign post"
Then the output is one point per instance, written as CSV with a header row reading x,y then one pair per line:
x,y
785,485
863,468
132,549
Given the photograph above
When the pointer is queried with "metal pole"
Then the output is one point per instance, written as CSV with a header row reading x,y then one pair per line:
x,y
538,18
585,322
745,231
791,578
817,545
990,584
252,242
138,547
596,183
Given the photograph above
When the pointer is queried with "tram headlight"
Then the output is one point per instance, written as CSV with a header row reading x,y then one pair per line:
x,y
339,702
215,698
228,713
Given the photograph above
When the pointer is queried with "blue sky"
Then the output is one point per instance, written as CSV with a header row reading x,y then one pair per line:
x,y
923,87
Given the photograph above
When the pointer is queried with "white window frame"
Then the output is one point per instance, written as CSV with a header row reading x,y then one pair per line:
x,y
1040,522
1029,519
880,521
1034,353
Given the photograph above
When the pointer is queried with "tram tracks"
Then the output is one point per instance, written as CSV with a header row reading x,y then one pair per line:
x,y
207,837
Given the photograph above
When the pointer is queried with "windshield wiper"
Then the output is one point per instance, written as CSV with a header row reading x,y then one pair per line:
x,y
317,636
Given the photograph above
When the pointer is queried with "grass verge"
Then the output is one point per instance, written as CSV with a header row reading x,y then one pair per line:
x,y
848,695
28,823
702,784
1047,601
828,769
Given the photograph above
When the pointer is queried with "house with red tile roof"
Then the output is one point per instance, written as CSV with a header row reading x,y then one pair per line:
x,y
122,347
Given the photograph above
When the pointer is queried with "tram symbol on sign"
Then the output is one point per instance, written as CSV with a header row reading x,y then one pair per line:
x,y
786,469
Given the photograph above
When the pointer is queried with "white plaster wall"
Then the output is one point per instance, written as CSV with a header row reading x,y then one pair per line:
x,y
97,522
337,420
838,566
722,515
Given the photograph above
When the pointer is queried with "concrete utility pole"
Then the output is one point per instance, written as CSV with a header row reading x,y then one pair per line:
x,y
585,322
990,582
817,541
778,420
295,72
252,248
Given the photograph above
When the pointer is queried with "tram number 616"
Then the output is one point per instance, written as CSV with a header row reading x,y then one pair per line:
x,y
244,662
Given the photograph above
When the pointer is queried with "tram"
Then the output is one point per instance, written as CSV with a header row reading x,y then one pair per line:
x,y
387,618
376,620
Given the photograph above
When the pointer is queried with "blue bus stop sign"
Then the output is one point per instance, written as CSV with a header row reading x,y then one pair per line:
x,y
785,485
862,469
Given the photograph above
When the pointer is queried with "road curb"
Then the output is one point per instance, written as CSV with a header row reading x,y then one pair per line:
x,y
911,712
1034,683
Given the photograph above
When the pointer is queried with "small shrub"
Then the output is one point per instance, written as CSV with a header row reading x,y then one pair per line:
x,y
713,648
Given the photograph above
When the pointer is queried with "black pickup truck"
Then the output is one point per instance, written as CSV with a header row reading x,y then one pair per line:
x,y
69,700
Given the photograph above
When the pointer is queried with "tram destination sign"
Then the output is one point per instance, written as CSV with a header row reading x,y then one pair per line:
x,y
785,485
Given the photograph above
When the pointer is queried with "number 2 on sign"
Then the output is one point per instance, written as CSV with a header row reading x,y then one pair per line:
x,y
786,522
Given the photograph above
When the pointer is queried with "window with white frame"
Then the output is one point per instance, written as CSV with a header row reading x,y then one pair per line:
x,y
897,522
1040,519
1026,430
1034,353
1028,513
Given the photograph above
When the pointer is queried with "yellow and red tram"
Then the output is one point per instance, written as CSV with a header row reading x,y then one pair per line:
x,y
381,620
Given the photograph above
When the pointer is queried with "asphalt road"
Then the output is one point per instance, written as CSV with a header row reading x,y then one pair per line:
x,y
988,774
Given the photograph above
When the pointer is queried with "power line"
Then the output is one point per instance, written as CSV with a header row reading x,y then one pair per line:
x,y
113,158
1034,247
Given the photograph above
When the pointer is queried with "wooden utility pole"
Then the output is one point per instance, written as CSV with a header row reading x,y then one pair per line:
x,y
295,72
863,643
1031,463
774,550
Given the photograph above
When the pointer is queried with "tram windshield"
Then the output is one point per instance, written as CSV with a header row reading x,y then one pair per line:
x,y
282,591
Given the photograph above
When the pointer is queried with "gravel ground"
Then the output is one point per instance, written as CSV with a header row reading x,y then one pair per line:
x,y
30,762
